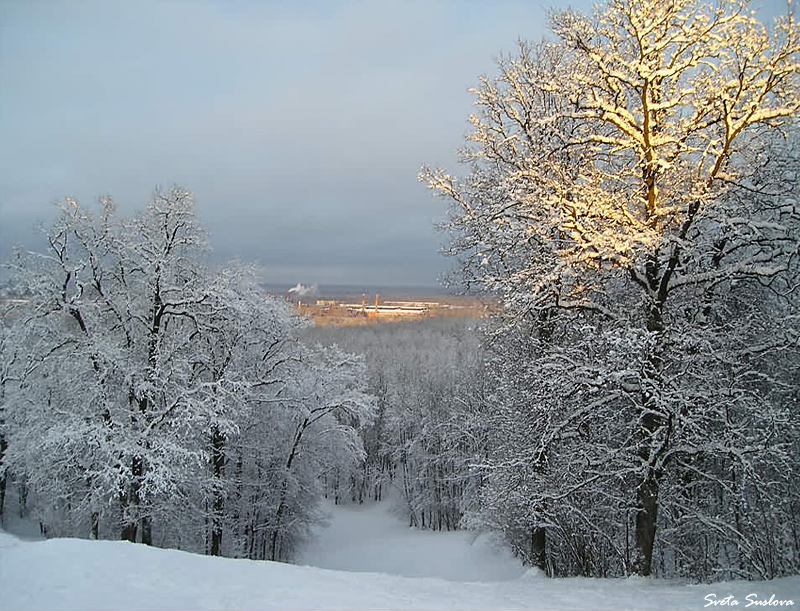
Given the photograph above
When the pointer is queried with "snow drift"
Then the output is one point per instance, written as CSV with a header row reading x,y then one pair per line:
x,y
78,574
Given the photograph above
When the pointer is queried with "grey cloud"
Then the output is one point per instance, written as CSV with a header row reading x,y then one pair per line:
x,y
300,128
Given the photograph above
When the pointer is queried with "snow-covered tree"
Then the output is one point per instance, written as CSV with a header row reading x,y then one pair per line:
x,y
9,361
110,308
624,182
428,378
147,389
326,406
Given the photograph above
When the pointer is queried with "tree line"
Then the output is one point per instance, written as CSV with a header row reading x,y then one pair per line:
x,y
428,379
147,397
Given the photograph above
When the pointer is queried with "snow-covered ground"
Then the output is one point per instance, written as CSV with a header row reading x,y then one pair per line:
x,y
368,538
412,570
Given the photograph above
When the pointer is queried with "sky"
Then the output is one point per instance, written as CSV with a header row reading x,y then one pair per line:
x,y
300,127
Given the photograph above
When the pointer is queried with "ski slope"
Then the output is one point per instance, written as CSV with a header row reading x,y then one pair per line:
x,y
369,538
411,570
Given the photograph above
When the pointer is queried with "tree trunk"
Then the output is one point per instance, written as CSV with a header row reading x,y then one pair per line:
x,y
283,504
218,465
147,530
3,479
646,519
652,421
216,541
2,498
3,448
22,491
538,548
128,532
130,502
94,525
137,464
275,534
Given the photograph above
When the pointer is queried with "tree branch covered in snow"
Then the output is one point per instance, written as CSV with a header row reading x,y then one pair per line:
x,y
632,197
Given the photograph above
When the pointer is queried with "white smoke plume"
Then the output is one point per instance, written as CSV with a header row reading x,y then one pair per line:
x,y
301,290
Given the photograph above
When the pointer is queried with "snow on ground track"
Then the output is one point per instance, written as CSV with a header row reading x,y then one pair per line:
x,y
76,574
368,538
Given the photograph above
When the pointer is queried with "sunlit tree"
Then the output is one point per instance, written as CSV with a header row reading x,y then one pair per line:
x,y
628,177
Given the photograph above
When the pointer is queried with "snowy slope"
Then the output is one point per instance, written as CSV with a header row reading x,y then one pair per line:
x,y
77,574
368,538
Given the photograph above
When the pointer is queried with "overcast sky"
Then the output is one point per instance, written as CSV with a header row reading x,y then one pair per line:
x,y
299,126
